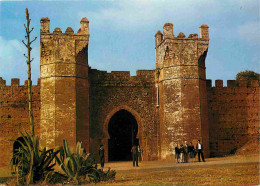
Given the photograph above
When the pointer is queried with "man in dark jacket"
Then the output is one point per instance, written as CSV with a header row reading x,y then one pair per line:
x,y
177,153
199,149
101,153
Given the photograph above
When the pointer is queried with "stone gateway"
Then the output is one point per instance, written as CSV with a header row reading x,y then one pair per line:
x,y
156,108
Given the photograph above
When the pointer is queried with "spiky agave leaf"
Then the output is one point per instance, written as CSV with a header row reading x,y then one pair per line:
x,y
29,151
78,147
66,148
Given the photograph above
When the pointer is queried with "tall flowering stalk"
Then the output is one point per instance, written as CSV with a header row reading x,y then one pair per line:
x,y
30,175
29,60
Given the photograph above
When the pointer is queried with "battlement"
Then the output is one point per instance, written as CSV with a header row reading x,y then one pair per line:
x,y
16,82
64,48
123,77
233,83
169,34
2,81
45,28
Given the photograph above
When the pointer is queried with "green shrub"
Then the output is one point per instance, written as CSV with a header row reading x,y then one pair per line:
x,y
29,153
105,176
75,166
79,167
248,75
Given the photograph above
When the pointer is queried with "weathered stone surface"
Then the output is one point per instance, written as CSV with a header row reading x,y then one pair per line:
x,y
64,87
233,116
183,99
171,104
14,112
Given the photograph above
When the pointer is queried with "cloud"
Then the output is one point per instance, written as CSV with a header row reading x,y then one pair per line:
x,y
250,31
138,14
13,63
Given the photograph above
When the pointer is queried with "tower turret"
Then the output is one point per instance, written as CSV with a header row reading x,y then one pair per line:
x,y
64,86
45,25
84,26
158,38
180,63
204,31
168,30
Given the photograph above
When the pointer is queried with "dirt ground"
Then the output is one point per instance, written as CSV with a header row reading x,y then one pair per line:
x,y
230,170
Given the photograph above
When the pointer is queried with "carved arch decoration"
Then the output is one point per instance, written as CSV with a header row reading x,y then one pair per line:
x,y
115,110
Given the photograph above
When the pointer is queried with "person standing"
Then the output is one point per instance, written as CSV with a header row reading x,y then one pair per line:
x,y
182,153
191,151
177,153
199,148
101,153
139,153
134,151
186,154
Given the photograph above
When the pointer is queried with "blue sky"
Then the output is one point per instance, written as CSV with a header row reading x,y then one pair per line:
x,y
122,32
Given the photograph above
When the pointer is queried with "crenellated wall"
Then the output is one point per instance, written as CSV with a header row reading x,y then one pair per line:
x,y
64,85
111,92
233,115
171,104
123,77
14,112
181,80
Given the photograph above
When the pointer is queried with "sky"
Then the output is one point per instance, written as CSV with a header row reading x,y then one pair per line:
x,y
122,33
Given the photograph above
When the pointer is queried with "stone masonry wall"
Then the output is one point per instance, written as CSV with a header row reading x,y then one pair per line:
x,y
180,66
171,104
14,113
111,92
233,115
64,85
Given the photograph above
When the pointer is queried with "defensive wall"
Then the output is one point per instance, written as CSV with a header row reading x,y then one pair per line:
x,y
171,104
233,110
14,113
181,85
233,114
111,92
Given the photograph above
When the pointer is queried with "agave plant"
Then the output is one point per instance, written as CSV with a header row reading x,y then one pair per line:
x,y
29,153
76,165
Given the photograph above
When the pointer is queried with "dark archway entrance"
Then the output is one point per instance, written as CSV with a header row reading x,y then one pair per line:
x,y
16,147
17,144
122,129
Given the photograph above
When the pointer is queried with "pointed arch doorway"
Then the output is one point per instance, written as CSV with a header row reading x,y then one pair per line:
x,y
122,129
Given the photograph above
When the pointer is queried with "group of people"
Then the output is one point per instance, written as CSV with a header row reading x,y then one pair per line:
x,y
183,154
186,152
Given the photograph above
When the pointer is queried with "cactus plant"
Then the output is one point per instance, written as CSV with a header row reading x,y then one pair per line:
x,y
29,152
76,165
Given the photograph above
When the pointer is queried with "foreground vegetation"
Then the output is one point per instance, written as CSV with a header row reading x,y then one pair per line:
x,y
75,167
32,165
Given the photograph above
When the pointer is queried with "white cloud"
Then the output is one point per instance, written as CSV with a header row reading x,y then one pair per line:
x,y
250,31
137,14
13,63
146,14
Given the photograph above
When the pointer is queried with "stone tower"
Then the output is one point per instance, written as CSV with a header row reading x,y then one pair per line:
x,y
181,82
64,85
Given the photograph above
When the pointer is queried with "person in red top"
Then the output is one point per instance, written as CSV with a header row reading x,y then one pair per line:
x,y
134,151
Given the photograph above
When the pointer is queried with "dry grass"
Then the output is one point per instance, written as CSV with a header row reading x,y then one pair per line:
x,y
231,170
230,174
